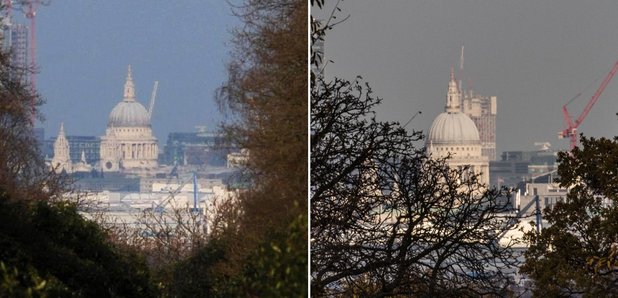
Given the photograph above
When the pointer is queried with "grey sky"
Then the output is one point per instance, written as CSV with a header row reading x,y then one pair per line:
x,y
84,48
533,55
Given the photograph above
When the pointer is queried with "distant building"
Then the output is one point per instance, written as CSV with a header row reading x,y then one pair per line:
x,y
14,38
61,161
195,148
82,166
482,110
108,182
545,188
86,147
453,132
15,41
517,166
89,145
128,143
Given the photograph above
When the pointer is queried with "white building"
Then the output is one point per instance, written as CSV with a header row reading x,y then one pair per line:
x,y
82,165
212,197
128,143
453,132
62,160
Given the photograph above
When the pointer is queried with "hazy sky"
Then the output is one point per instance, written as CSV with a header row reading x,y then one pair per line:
x,y
533,55
84,48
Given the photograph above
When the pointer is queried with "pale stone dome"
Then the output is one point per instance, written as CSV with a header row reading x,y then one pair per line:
x,y
128,114
453,128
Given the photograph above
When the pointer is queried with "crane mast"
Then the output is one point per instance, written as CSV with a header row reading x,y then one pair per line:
x,y
152,98
570,126
29,8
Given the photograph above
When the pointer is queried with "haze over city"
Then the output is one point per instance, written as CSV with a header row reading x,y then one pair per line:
x,y
84,48
534,56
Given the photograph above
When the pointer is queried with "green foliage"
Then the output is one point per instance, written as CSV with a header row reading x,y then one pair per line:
x,y
576,253
195,276
53,241
17,283
279,267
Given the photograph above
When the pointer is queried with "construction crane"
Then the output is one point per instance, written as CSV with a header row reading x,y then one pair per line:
x,y
29,8
521,215
152,99
570,125
193,178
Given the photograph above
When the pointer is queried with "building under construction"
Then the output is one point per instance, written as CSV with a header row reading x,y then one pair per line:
x,y
482,110
19,39
15,41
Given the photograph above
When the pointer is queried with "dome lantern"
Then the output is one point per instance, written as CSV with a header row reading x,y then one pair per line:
x,y
453,126
452,96
129,86
129,112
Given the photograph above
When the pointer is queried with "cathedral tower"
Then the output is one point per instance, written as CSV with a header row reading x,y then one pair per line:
x,y
62,160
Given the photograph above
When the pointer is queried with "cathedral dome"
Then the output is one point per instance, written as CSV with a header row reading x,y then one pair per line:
x,y
453,128
128,114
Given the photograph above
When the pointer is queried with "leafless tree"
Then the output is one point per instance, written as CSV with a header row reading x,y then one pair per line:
x,y
386,218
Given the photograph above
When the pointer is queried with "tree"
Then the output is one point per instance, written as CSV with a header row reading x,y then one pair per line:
x,y
265,96
266,92
386,218
22,169
53,241
565,258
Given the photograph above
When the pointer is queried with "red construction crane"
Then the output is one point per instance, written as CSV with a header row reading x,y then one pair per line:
x,y
29,8
570,126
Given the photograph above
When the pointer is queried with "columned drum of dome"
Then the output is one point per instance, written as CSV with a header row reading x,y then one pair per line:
x,y
453,132
128,142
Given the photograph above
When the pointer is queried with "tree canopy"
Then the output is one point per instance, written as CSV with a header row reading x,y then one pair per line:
x,y
264,251
576,254
386,218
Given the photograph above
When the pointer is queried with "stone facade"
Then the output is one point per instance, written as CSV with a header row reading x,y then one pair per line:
x,y
454,133
128,143
62,160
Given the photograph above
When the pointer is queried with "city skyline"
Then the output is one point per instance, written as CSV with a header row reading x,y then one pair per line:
x,y
88,45
534,57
